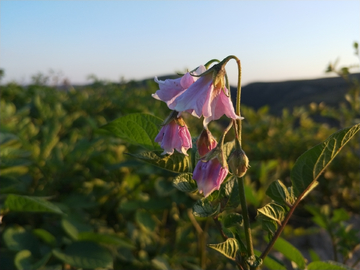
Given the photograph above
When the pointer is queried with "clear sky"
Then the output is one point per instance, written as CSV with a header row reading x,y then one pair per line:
x,y
275,40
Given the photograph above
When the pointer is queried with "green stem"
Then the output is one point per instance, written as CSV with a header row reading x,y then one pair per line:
x,y
221,145
245,213
238,99
247,228
210,62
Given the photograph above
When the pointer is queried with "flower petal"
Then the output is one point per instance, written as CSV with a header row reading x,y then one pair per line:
x,y
194,97
209,176
173,136
220,105
172,88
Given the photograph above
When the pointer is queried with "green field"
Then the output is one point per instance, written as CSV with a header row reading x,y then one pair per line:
x,y
73,198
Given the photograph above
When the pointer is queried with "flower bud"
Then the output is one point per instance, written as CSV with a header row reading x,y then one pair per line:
x,y
238,162
205,142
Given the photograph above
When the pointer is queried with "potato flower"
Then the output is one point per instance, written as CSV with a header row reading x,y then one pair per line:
x,y
174,134
170,89
209,175
208,96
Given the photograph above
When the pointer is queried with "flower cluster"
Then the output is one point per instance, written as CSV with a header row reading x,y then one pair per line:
x,y
200,93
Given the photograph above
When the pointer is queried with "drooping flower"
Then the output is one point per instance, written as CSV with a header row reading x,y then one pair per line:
x,y
174,134
170,89
208,96
209,175
205,142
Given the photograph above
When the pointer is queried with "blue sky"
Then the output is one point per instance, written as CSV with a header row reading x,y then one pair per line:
x,y
275,40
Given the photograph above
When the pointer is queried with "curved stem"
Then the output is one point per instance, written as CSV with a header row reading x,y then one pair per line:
x,y
238,100
222,139
247,228
210,62
238,95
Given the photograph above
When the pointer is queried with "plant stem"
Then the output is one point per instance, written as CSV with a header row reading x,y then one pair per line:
x,y
201,237
238,93
238,99
249,244
279,231
245,212
218,225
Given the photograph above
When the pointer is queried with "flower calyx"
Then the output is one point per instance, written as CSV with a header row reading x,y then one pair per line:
x,y
217,153
174,116
217,73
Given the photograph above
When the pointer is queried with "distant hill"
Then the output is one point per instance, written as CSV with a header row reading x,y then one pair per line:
x,y
289,94
286,94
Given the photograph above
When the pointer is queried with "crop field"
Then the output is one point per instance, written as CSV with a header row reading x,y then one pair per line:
x,y
76,196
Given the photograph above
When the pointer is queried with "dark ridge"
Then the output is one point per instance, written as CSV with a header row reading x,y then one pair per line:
x,y
289,94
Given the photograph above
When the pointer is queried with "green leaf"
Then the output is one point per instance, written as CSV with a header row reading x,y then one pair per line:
x,y
160,263
228,148
10,184
108,239
203,208
69,228
164,187
230,190
313,162
327,265
340,215
176,162
269,225
150,204
270,263
290,252
228,187
84,254
273,211
229,248
144,220
314,256
140,129
23,260
279,193
232,219
16,238
45,236
21,203
185,183
42,262
237,232
318,217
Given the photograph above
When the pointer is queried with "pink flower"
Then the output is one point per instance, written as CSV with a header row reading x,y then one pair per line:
x,y
209,175
208,96
174,136
205,142
170,89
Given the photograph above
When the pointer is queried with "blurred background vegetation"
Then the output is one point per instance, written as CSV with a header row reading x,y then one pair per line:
x,y
124,214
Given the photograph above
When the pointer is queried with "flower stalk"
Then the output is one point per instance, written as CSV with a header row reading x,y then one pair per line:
x,y
241,185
